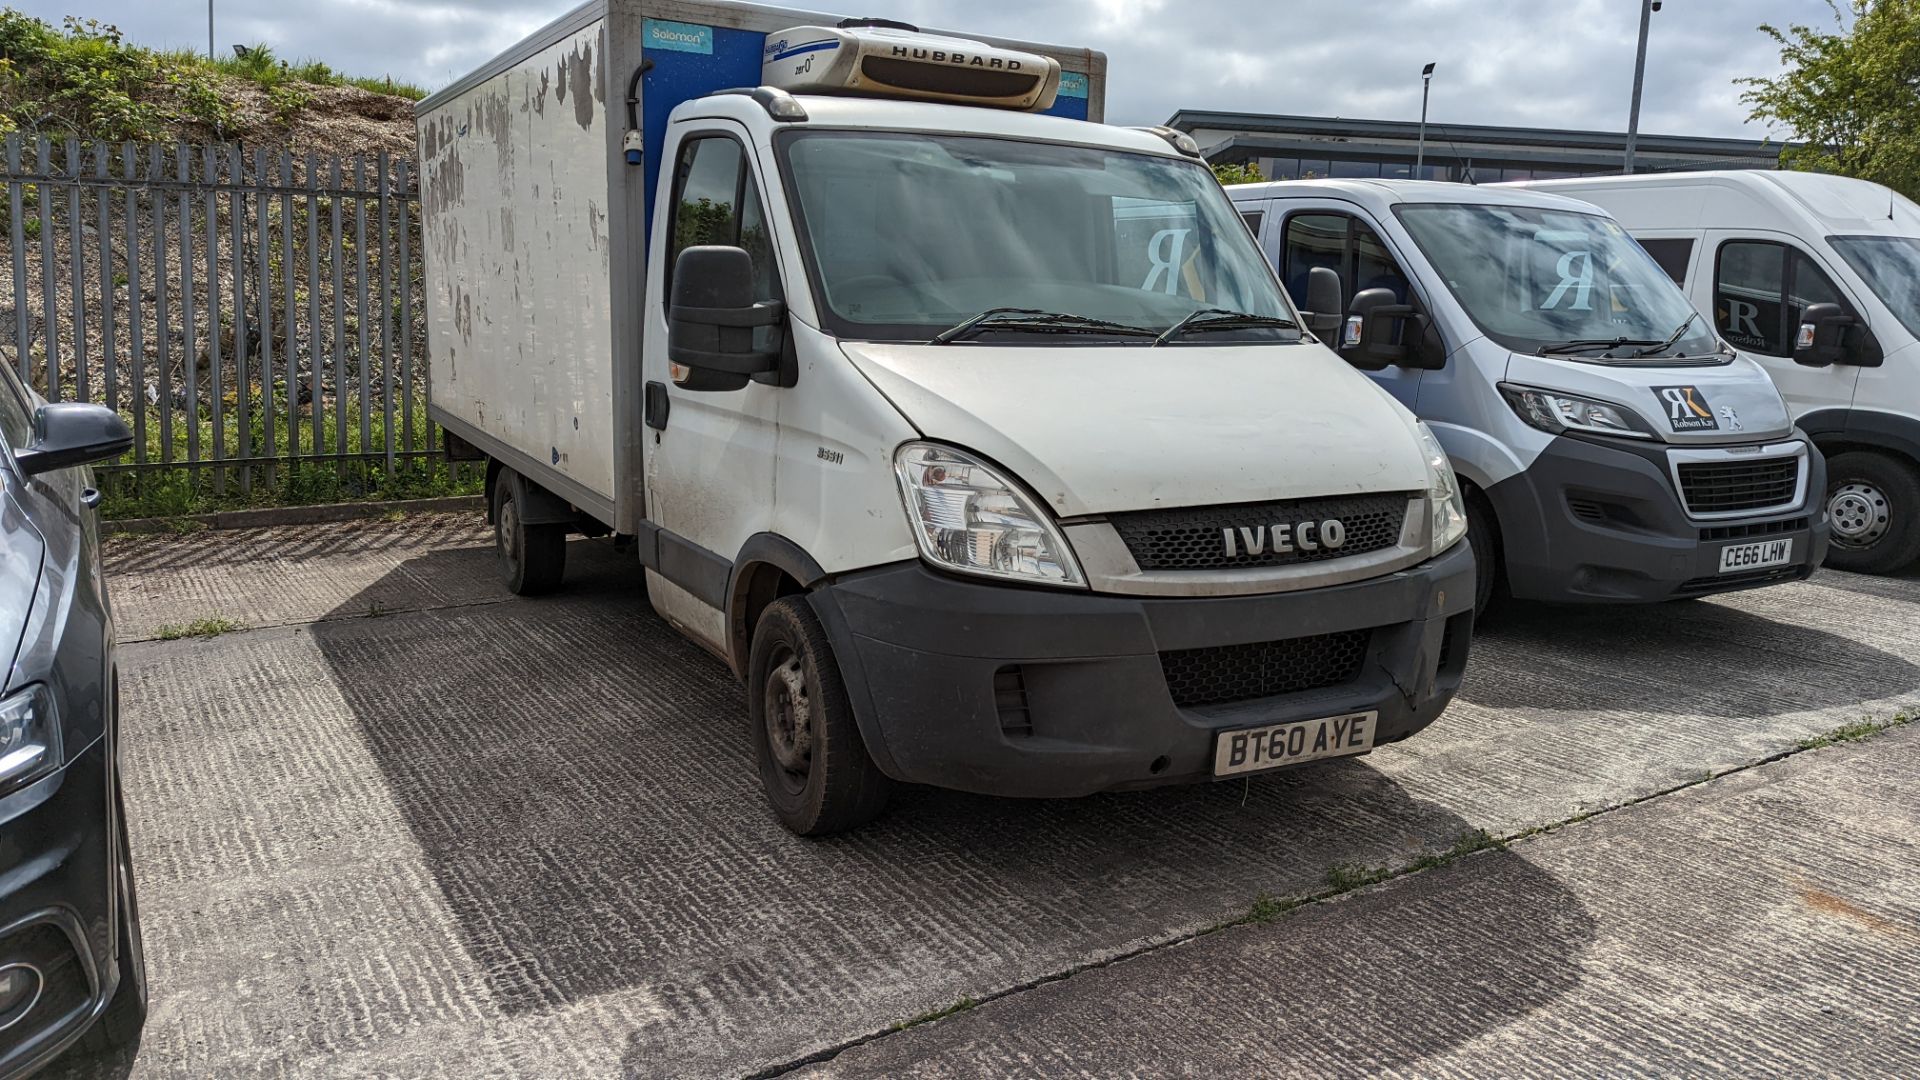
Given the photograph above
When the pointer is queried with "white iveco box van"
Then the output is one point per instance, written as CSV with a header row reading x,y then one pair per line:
x,y
1818,278
1612,447
980,442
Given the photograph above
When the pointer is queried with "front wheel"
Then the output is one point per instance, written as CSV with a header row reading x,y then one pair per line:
x,y
814,766
1873,502
119,1027
1484,537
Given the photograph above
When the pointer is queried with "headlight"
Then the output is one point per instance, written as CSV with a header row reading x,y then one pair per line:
x,y
968,517
1554,413
29,737
1444,501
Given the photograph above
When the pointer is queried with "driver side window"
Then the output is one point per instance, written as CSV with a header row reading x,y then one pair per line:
x,y
1759,290
1346,245
715,202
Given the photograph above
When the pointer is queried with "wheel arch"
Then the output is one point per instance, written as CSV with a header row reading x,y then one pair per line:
x,y
768,567
1838,431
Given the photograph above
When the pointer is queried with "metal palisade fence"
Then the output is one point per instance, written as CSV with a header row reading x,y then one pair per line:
x,y
255,316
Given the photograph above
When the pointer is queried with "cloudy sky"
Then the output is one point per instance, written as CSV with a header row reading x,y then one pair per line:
x,y
1548,63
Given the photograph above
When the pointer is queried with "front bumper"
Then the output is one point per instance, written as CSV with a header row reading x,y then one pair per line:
x,y
1048,692
1594,523
56,904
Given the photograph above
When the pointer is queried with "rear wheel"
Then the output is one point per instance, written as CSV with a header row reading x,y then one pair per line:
x,y
118,1029
1484,536
814,765
533,558
1874,503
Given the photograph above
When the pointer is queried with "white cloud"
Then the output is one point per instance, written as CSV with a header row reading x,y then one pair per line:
x,y
1567,63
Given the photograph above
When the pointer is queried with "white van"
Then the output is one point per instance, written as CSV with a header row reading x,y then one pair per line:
x,y
1613,448
982,444
1818,278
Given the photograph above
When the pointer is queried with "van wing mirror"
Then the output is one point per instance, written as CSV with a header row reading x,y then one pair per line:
x,y
1324,300
71,433
712,319
1375,326
1828,336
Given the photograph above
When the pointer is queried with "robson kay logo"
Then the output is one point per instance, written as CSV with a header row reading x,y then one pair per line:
x,y
1284,538
1688,410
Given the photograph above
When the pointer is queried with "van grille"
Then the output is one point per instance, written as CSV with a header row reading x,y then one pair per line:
x,y
1192,538
1723,486
1227,673
947,78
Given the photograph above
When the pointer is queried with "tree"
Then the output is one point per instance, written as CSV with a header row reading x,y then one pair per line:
x,y
1852,94
1237,174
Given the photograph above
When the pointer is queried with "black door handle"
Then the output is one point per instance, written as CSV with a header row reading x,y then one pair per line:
x,y
657,405
90,498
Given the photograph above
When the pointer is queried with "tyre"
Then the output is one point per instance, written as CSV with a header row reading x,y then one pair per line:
x,y
1873,501
533,558
814,766
1484,536
119,1027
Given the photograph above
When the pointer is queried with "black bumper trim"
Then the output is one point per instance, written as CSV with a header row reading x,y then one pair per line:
x,y
1593,523
920,652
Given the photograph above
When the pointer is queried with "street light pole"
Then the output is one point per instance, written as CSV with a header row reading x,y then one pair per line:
x,y
1647,8
209,29
1426,86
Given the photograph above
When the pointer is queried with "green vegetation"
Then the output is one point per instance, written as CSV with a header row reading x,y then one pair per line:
x,y
1855,732
1851,94
930,1016
200,628
1238,174
212,487
1343,878
83,79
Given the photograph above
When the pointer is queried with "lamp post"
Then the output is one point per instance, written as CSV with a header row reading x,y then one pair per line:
x,y
1647,8
1426,87
209,29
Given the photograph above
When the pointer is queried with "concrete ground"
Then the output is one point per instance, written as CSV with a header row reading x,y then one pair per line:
x,y
404,824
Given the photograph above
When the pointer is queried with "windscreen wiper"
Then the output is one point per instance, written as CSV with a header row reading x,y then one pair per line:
x,y
1671,339
1204,320
1035,321
1582,346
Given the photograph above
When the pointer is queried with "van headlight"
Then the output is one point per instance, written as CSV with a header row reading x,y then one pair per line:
x,y
1555,413
968,517
29,737
1444,501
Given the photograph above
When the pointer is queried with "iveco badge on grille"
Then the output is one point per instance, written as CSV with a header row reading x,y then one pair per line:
x,y
1285,538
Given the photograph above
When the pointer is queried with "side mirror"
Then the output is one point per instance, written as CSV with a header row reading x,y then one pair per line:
x,y
71,433
1370,340
712,318
1324,300
1821,341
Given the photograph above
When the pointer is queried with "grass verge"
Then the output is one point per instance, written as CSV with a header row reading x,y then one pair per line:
x,y
199,628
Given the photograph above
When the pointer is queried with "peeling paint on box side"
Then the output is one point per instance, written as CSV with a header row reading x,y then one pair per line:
x,y
513,198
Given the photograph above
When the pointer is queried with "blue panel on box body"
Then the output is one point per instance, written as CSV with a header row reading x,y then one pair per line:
x,y
692,61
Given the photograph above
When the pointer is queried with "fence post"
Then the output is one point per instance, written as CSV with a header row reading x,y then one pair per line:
x,y
17,234
289,314
216,376
189,348
76,266
406,312
49,303
242,367
136,345
103,241
313,307
156,176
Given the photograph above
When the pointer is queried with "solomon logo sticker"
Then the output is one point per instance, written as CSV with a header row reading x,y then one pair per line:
x,y
1687,408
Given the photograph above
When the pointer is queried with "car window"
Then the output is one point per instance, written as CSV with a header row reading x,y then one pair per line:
x,y
1672,253
16,410
1759,290
718,204
1346,245
1252,218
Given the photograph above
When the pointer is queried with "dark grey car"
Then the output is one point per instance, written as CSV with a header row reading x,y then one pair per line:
x,y
71,969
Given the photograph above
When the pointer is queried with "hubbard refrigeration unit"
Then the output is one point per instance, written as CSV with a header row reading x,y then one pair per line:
x,y
975,437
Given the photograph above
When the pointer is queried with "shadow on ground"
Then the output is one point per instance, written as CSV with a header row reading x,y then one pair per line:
x,y
1701,658
579,779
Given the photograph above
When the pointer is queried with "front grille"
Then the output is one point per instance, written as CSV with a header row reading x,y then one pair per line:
x,y
1761,528
1193,538
1724,486
1226,673
65,989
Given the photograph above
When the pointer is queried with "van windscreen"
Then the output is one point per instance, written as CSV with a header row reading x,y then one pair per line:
x,y
1891,267
908,234
1538,279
